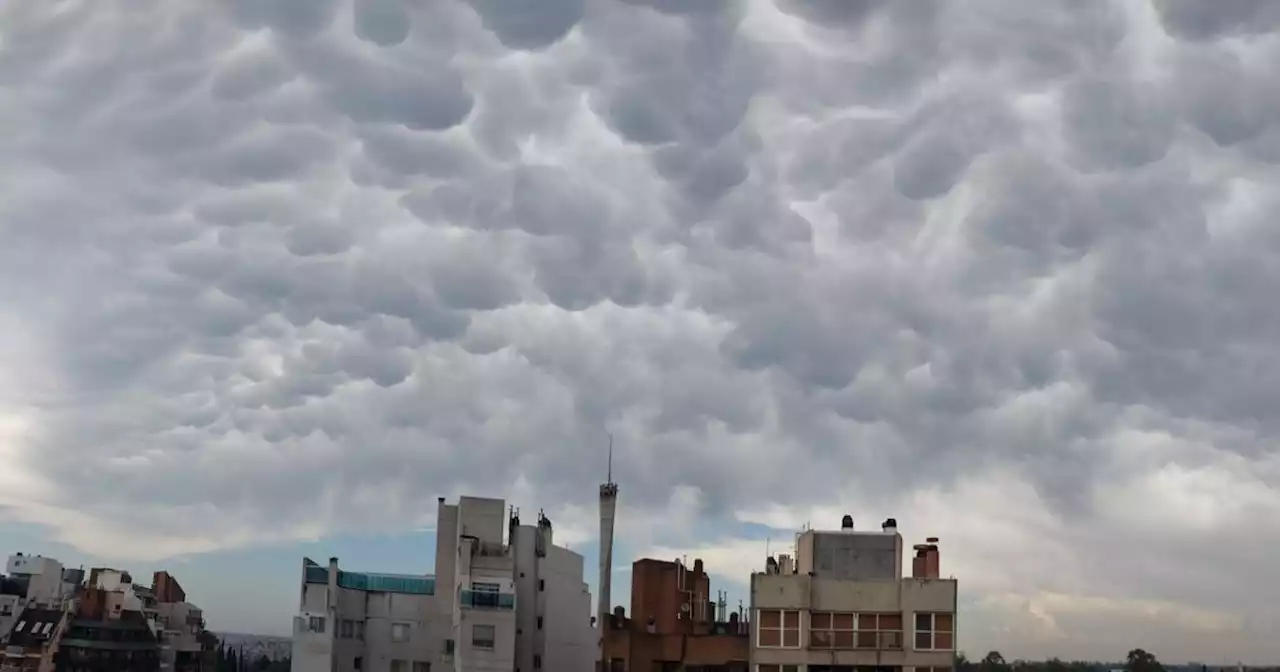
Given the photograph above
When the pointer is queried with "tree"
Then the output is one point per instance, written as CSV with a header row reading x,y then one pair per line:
x,y
1142,661
993,662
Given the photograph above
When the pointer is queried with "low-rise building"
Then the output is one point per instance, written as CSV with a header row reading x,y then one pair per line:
x,y
109,622
503,597
100,637
30,645
842,604
674,624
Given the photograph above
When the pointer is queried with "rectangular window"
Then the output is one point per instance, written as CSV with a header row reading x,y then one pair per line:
x,y
481,587
777,668
537,662
778,629
347,629
397,665
21,624
483,636
879,631
399,632
360,630
358,663
542,584
448,647
831,630
539,622
420,666
934,631
315,624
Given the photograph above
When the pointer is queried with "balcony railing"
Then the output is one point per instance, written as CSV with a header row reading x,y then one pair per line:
x,y
483,599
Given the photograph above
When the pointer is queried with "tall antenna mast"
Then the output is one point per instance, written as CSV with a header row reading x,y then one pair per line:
x,y
609,477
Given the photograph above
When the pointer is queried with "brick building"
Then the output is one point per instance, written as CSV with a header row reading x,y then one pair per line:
x,y
674,625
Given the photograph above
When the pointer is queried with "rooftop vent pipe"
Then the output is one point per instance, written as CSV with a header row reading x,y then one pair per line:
x,y
846,523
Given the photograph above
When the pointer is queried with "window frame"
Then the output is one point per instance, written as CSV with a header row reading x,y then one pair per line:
x,y
824,623
777,667
406,628
316,623
782,629
493,636
932,631
879,633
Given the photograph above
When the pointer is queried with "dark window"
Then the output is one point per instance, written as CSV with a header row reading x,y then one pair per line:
x,y
537,662
542,584
359,663
539,622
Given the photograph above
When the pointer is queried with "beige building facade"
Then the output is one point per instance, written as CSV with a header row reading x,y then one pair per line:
x,y
842,605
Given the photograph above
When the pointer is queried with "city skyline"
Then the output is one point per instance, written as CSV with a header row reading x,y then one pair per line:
x,y
275,276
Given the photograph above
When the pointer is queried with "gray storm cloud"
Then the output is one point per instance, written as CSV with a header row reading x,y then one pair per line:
x,y
1004,266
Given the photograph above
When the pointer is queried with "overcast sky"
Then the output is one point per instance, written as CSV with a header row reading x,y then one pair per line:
x,y
1005,270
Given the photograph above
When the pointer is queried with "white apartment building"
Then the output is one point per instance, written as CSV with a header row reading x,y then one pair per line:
x,y
503,597
843,605
34,581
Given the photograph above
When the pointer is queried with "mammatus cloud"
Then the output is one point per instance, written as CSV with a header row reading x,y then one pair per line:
x,y
1001,269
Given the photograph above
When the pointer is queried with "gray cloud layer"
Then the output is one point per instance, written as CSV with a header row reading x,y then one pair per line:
x,y
1000,268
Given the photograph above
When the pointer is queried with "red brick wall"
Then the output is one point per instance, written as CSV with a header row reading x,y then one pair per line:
x,y
167,588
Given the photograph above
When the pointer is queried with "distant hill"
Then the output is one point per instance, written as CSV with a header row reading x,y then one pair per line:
x,y
256,646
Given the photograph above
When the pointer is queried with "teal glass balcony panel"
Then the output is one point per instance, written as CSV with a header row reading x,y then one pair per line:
x,y
483,599
388,583
317,575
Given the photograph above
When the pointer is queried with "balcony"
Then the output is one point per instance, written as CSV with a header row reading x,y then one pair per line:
x,y
483,599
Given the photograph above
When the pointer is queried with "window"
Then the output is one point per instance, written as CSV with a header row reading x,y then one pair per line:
x,y
420,666
358,663
46,629
315,624
399,632
537,662
347,629
448,647
778,628
397,665
6,609
483,636
359,630
879,631
831,631
21,624
777,668
542,584
539,622
933,632
484,587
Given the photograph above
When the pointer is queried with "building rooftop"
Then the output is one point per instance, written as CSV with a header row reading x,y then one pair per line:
x,y
411,584
34,627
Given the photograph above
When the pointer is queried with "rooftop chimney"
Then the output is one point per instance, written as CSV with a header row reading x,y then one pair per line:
x,y
925,564
846,523
889,525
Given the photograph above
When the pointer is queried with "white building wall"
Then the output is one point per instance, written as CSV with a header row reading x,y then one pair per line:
x,y
44,578
569,641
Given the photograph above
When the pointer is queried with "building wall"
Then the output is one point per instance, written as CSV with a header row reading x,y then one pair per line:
x,y
655,592
808,594
530,602
44,578
167,588
569,641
